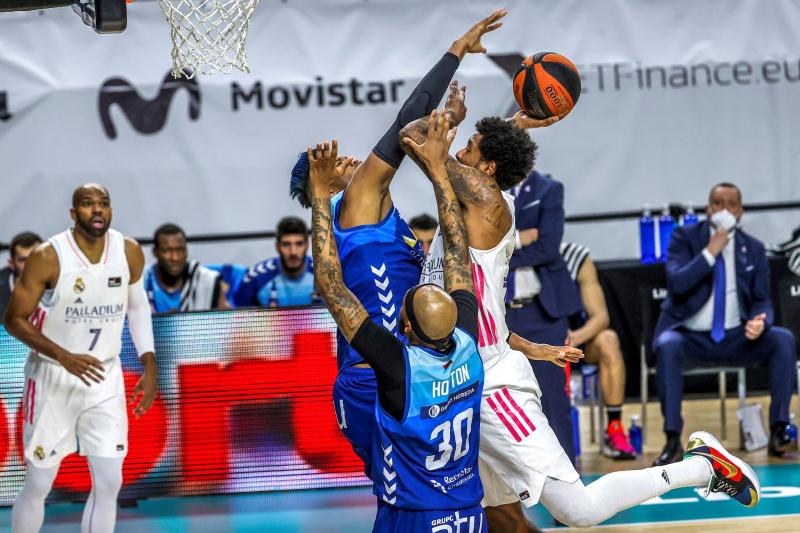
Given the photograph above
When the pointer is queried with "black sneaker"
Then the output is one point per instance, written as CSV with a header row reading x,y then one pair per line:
x,y
672,452
780,442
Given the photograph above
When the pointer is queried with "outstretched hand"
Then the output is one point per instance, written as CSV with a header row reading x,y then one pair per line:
x,y
433,152
558,355
470,42
454,107
325,169
522,120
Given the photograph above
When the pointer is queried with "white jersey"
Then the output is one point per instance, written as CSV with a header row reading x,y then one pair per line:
x,y
85,312
489,272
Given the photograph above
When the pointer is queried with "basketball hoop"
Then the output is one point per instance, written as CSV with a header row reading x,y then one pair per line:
x,y
208,35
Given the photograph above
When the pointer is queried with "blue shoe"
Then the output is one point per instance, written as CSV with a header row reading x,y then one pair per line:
x,y
732,476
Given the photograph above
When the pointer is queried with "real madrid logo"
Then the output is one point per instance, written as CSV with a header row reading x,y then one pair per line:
x,y
433,412
79,285
39,453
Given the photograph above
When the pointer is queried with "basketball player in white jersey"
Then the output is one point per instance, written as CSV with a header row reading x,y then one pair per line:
x,y
69,307
521,459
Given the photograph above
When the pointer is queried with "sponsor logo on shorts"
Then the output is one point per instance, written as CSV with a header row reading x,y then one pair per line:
x,y
120,447
79,285
39,453
115,282
524,495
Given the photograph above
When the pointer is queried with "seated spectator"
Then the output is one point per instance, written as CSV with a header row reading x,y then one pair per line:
x,y
424,228
718,312
284,280
174,283
589,330
21,247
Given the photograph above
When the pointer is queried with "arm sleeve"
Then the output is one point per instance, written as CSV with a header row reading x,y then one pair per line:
x,y
551,231
467,318
423,100
384,353
140,321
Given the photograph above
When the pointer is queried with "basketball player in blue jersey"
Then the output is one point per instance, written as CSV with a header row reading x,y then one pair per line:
x,y
425,453
380,257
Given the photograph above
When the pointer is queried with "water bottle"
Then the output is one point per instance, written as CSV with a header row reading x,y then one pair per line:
x,y
665,225
273,296
647,237
635,434
791,429
576,432
689,217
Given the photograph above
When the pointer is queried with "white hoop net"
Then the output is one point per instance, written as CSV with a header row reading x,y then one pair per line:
x,y
208,35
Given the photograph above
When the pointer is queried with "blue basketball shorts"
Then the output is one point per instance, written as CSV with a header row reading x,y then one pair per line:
x,y
390,519
354,397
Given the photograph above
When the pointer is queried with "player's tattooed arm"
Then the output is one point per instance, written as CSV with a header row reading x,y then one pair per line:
x,y
345,308
433,155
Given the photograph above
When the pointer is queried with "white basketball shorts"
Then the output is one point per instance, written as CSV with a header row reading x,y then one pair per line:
x,y
519,450
63,415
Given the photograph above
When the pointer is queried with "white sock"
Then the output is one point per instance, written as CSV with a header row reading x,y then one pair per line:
x,y
100,513
578,505
27,515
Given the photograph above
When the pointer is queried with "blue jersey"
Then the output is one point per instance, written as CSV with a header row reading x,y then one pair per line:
x,y
266,285
161,300
380,262
429,459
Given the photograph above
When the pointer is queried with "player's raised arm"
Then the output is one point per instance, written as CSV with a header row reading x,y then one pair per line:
x,y
367,199
41,272
433,154
345,308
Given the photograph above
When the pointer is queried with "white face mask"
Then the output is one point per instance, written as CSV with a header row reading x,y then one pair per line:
x,y
723,219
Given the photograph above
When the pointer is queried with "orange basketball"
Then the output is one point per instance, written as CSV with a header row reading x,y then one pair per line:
x,y
547,84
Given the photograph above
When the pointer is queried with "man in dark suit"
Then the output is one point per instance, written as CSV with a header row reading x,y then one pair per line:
x,y
719,312
540,293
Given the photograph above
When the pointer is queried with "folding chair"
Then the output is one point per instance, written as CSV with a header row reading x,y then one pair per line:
x,y
650,299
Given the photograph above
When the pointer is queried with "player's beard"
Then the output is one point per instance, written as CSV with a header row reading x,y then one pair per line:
x,y
293,272
86,227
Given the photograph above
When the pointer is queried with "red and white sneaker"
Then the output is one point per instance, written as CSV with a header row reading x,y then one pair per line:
x,y
732,476
616,444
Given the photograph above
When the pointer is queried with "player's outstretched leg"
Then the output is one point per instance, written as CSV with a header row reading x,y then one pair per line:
x,y
27,514
100,513
706,463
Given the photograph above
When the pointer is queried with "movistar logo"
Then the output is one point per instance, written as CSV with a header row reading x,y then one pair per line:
x,y
146,116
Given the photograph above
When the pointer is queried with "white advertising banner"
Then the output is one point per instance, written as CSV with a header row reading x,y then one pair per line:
x,y
676,96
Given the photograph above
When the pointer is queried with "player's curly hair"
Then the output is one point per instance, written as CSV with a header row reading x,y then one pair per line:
x,y
511,149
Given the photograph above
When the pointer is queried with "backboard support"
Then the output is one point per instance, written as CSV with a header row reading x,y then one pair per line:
x,y
104,16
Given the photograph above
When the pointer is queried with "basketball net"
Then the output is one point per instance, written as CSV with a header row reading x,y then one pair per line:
x,y
208,35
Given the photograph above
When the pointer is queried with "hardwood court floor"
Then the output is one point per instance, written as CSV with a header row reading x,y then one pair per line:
x,y
702,414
